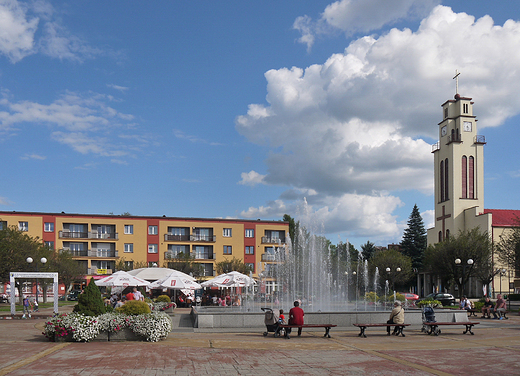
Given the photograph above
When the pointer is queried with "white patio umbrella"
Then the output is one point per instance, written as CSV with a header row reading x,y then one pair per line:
x,y
121,278
154,274
175,281
231,279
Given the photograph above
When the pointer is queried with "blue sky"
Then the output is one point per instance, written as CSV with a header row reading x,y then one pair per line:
x,y
243,109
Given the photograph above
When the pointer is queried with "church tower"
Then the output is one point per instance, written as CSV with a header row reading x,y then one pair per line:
x,y
459,171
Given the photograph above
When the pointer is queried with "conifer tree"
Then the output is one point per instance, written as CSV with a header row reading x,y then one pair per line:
x,y
414,240
90,302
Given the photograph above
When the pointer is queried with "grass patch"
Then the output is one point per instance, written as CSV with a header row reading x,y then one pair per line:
x,y
7,307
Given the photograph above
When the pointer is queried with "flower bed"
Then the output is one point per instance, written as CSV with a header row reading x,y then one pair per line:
x,y
80,328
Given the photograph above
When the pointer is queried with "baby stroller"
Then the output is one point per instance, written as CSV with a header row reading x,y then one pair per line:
x,y
428,315
271,320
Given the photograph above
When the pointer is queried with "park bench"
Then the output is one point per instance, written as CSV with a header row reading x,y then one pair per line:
x,y
326,326
398,327
433,327
472,312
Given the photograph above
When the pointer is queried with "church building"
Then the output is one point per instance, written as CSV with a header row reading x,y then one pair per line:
x,y
459,190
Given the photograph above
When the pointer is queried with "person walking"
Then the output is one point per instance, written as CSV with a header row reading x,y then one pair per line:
x,y
27,305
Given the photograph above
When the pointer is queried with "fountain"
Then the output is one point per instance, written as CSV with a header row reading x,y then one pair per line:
x,y
309,270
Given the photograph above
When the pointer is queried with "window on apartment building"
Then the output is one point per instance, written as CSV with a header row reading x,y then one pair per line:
x,y
250,233
129,247
250,266
250,250
48,227
49,245
153,230
23,226
152,248
226,233
129,229
227,250
3,225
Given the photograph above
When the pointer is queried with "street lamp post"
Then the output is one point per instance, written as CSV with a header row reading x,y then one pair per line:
x,y
469,263
391,276
30,260
356,275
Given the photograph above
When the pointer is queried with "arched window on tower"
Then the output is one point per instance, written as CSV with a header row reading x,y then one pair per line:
x,y
440,236
447,234
471,177
464,176
441,176
446,180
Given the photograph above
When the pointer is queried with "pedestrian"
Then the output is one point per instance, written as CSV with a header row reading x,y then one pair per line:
x,y
500,307
27,305
138,295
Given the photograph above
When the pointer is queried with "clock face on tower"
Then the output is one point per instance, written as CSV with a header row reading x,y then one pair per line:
x,y
467,126
444,130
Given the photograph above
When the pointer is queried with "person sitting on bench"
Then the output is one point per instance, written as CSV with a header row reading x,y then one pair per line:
x,y
500,307
396,317
487,308
296,317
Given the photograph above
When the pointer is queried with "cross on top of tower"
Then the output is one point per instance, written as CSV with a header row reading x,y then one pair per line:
x,y
456,78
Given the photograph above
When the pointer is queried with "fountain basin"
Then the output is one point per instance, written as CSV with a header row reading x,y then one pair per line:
x,y
214,318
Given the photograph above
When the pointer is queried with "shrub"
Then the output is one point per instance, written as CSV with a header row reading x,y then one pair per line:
x,y
134,307
478,305
163,298
429,302
90,302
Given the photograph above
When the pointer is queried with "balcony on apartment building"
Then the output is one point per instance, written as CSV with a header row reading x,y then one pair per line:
x,y
99,253
273,240
97,271
190,238
67,234
277,256
196,255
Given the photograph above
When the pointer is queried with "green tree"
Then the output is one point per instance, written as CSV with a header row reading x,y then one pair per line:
x,y
234,264
400,266
90,302
68,269
292,226
414,240
471,244
367,250
185,263
15,247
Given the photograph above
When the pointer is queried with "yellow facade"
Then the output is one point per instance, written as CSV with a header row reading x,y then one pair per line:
x,y
99,241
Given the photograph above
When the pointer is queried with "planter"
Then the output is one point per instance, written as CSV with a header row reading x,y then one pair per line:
x,y
125,334
66,338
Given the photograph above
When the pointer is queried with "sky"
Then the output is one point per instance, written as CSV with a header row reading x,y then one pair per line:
x,y
251,109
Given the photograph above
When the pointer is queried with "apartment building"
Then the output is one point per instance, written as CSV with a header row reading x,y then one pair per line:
x,y
98,242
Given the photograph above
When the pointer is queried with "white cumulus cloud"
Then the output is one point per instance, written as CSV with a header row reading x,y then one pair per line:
x,y
357,128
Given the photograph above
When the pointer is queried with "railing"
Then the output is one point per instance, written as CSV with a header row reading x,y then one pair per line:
x,y
203,238
479,139
94,270
86,235
73,235
176,238
203,256
456,137
270,240
76,253
436,146
268,257
102,253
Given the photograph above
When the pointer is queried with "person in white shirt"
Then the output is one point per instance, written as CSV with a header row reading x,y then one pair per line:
x,y
138,295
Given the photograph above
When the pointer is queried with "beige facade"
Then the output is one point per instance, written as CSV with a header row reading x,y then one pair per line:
x,y
459,186
98,242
